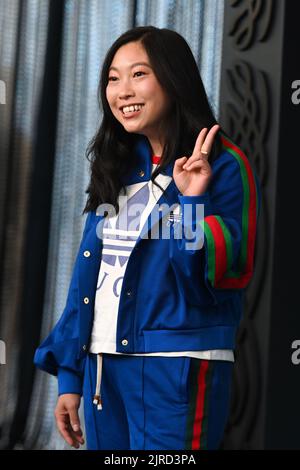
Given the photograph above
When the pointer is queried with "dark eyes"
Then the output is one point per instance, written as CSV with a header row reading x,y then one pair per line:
x,y
113,79
139,72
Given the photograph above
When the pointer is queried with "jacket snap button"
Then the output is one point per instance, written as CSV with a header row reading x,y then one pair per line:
x,y
87,253
141,173
128,293
86,300
124,342
84,347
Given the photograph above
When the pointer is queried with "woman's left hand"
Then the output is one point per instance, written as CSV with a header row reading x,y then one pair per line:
x,y
193,175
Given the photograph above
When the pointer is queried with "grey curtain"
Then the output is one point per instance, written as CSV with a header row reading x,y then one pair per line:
x,y
23,33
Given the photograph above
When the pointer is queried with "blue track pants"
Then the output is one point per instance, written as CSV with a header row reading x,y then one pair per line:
x,y
157,402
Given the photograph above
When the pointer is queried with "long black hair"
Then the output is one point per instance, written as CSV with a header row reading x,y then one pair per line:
x,y
110,150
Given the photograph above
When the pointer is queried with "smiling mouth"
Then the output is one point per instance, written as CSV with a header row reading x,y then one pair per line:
x,y
131,112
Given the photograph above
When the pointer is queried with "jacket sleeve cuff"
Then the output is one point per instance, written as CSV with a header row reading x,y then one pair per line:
x,y
68,382
202,199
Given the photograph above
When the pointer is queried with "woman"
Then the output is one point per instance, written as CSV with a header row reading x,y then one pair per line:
x,y
147,335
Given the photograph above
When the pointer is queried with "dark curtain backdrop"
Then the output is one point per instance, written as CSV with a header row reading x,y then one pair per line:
x,y
32,228
37,228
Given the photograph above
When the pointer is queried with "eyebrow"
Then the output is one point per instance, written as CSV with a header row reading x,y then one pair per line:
x,y
132,65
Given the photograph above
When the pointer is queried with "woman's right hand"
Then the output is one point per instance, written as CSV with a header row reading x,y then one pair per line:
x,y
67,419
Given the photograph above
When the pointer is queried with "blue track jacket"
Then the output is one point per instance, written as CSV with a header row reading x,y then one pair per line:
x,y
174,297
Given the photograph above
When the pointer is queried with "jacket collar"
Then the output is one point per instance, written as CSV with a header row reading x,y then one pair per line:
x,y
142,166
142,172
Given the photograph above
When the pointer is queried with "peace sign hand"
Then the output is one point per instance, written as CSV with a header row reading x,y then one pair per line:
x,y
193,175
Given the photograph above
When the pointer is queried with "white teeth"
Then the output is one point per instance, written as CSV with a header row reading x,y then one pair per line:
x,y
128,109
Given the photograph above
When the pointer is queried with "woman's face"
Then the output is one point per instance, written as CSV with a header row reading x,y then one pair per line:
x,y
131,80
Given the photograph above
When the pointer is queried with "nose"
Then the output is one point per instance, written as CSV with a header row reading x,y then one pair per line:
x,y
126,90
126,94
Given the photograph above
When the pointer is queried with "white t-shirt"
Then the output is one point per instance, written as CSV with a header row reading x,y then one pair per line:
x,y
119,237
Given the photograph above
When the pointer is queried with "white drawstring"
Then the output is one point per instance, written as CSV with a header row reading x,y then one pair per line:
x,y
97,397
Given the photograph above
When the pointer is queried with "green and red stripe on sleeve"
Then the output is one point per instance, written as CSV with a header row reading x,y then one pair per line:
x,y
218,237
